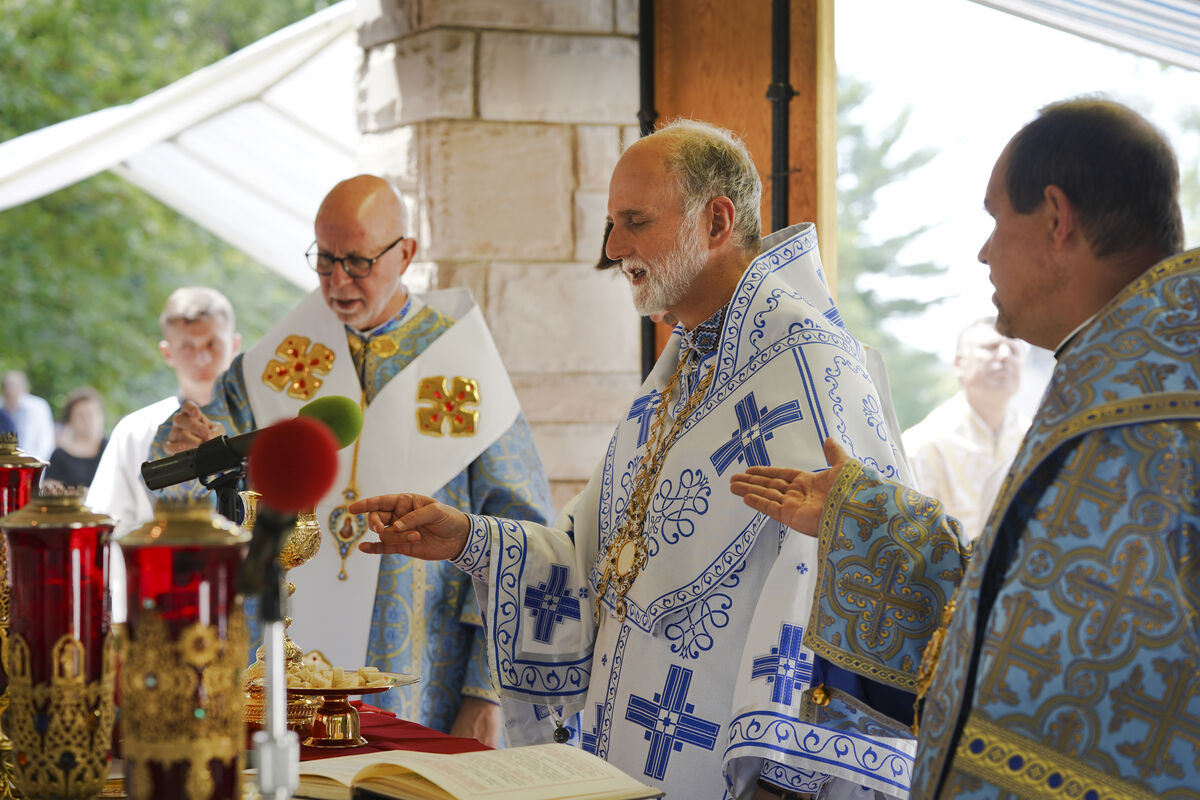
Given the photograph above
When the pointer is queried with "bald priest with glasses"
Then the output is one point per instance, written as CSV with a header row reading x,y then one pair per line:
x,y
439,413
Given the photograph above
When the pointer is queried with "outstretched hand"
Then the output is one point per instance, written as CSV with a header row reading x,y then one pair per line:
x,y
413,525
791,496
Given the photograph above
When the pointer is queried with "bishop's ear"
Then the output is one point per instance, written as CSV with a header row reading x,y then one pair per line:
x,y
721,215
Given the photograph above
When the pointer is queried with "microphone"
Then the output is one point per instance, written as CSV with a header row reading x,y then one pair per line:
x,y
292,464
339,413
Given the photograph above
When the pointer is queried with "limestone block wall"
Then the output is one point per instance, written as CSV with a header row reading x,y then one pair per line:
x,y
500,121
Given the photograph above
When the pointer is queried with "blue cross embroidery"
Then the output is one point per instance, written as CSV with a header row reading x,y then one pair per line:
x,y
755,426
669,721
551,602
802,569
644,407
786,667
589,740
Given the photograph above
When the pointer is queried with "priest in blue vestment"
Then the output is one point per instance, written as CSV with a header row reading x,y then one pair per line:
x,y
658,624
439,411
1061,657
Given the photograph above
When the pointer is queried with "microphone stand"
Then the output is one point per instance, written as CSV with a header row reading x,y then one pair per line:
x,y
212,456
278,748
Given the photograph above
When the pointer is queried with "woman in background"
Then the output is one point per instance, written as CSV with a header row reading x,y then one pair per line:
x,y
80,442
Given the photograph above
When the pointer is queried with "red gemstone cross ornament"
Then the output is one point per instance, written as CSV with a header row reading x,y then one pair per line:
x,y
298,366
447,406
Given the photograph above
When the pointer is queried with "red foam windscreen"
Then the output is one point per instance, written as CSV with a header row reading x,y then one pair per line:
x,y
293,464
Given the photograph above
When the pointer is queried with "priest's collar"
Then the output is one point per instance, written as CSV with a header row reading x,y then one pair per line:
x,y
703,339
388,326
1071,336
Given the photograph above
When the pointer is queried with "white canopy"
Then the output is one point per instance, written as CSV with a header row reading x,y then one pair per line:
x,y
1168,30
246,147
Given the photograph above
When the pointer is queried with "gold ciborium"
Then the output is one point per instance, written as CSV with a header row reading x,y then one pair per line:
x,y
301,544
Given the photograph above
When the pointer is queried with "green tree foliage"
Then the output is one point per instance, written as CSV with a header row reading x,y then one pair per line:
x,y
86,269
866,164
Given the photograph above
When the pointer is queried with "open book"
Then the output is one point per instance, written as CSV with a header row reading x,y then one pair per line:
x,y
537,772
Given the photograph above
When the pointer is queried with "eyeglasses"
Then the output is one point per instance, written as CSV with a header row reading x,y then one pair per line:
x,y
355,266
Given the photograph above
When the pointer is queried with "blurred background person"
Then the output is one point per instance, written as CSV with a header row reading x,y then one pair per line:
x,y
81,441
30,414
6,422
199,342
960,452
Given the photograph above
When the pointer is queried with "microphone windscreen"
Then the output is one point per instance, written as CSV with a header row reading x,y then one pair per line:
x,y
342,415
293,464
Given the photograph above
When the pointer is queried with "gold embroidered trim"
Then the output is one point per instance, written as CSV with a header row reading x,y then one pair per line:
x,y
448,406
1133,410
297,367
1031,770
835,655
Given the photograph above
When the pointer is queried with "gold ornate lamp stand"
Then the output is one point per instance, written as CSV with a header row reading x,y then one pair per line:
x,y
301,545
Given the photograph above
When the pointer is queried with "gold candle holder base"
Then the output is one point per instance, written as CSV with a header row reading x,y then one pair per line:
x,y
336,724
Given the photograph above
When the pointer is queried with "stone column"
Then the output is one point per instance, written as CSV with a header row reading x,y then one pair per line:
x,y
500,122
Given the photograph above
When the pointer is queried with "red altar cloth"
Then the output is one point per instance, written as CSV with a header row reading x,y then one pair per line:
x,y
384,731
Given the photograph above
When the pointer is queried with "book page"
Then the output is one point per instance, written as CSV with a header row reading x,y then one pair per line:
x,y
539,772
341,770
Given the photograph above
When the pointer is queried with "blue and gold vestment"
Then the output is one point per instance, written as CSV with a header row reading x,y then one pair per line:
x,y
1069,664
395,613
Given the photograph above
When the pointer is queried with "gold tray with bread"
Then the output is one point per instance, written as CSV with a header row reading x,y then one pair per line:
x,y
335,722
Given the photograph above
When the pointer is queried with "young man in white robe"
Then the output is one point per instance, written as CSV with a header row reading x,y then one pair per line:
x,y
199,341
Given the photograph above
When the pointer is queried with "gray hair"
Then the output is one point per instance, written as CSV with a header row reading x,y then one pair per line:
x,y
712,162
191,303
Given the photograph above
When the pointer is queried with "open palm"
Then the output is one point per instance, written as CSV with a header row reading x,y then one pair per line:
x,y
791,496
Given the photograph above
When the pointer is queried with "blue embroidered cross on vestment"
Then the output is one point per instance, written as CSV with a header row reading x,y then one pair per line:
x,y
551,602
669,721
755,426
787,668
643,410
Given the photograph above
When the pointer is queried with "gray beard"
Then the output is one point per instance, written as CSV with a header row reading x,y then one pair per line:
x,y
668,278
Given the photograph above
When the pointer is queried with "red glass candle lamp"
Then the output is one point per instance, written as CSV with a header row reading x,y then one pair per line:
x,y
183,655
59,653
19,474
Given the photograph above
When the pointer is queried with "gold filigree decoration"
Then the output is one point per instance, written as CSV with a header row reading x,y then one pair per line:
x,y
298,366
182,700
448,406
61,730
628,551
929,661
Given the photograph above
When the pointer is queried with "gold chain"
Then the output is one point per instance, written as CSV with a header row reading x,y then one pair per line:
x,y
627,553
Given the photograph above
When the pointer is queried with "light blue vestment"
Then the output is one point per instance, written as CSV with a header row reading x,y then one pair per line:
x,y
1070,667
